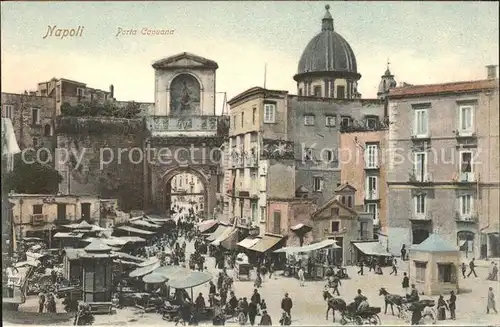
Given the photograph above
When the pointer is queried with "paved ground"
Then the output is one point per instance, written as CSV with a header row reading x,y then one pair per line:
x,y
308,304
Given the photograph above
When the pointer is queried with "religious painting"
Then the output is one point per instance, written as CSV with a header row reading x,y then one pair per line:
x,y
185,94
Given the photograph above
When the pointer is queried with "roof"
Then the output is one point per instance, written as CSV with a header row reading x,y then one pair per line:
x,y
372,248
97,246
144,223
131,239
185,55
331,202
256,90
84,225
301,226
327,52
135,230
301,189
68,235
443,88
345,186
248,242
434,243
73,254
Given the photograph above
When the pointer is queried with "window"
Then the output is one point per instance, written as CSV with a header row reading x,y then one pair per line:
x,y
80,92
308,155
242,119
317,184
420,204
234,121
38,209
466,203
180,182
363,230
371,123
421,122
58,93
263,213
309,120
349,202
35,116
371,187
254,114
342,199
269,113
420,268
420,166
317,91
330,121
346,122
277,222
47,131
8,110
466,118
335,226
335,212
466,162
465,240
373,209
340,92
254,211
371,156
329,155
35,143
447,273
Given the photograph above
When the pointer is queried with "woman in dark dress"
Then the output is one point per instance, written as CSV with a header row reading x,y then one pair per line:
x,y
441,308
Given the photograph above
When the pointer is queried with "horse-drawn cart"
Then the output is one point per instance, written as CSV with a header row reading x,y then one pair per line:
x,y
368,316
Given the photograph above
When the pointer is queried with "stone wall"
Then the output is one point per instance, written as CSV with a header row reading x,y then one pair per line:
x,y
95,156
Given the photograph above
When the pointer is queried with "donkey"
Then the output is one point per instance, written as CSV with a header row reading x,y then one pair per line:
x,y
333,303
391,299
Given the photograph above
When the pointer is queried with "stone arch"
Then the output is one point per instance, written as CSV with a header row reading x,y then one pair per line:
x,y
185,73
185,91
166,179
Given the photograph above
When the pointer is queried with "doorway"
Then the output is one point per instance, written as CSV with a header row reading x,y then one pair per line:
x,y
61,211
85,211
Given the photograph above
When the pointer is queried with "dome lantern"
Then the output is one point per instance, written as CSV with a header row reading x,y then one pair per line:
x,y
327,23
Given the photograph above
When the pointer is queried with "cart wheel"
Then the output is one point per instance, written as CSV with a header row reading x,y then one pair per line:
x,y
343,321
375,320
358,320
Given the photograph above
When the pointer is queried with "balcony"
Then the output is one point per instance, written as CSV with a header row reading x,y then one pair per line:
x,y
464,134
470,218
414,178
465,177
371,165
189,126
427,216
371,195
38,219
417,136
251,161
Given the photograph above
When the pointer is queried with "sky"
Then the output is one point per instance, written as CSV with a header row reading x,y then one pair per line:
x,y
425,42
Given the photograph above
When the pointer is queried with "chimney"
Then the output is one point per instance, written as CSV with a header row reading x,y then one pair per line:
x,y
112,91
492,71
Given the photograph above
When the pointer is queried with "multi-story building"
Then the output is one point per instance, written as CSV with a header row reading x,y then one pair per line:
x,y
443,164
361,160
187,190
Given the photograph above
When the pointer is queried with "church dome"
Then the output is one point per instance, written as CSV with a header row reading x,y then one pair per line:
x,y
328,52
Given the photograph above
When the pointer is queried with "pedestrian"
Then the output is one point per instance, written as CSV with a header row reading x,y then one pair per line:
x,y
256,297
452,305
285,319
394,267
252,312
472,266
286,305
212,289
403,252
491,301
41,301
405,283
335,285
271,269
441,308
301,276
360,271
265,320
464,269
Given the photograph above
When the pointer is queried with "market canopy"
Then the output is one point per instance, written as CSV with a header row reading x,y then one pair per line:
x,y
266,242
123,255
248,242
372,248
301,228
149,261
218,232
206,225
144,223
139,272
162,274
227,239
193,279
311,247
68,235
135,230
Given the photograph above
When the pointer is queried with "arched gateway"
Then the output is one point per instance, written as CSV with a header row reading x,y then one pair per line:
x,y
185,134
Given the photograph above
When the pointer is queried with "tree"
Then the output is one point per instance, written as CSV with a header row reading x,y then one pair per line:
x,y
31,177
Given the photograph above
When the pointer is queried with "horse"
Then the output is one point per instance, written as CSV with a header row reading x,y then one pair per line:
x,y
391,299
333,303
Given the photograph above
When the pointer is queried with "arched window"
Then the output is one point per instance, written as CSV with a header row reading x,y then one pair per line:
x,y
349,201
47,131
465,241
342,199
185,95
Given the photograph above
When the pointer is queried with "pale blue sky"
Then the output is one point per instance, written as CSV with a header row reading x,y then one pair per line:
x,y
427,42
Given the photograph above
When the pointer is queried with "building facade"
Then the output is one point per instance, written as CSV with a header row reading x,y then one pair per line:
x,y
443,165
